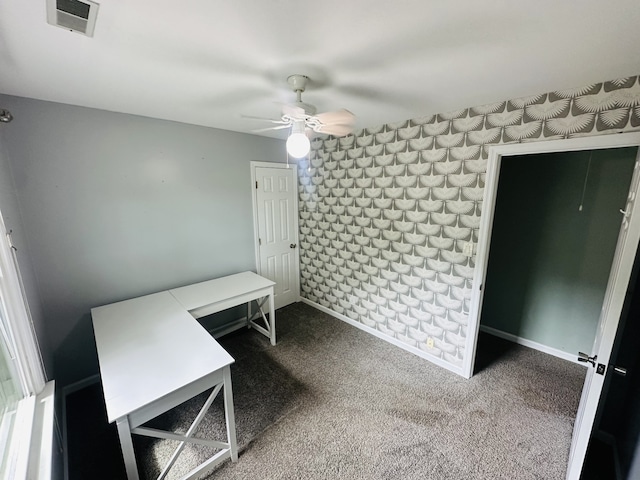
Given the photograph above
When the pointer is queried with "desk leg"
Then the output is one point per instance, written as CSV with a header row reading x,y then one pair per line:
x,y
230,416
272,316
249,315
124,432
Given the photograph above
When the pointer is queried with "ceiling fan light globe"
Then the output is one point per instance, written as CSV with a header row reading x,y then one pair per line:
x,y
298,145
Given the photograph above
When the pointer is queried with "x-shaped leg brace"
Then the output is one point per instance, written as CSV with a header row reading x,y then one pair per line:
x,y
265,329
226,448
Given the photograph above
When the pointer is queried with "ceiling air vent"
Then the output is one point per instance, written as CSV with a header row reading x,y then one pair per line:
x,y
74,15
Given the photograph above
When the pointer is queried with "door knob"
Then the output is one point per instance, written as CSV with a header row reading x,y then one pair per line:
x,y
583,357
293,245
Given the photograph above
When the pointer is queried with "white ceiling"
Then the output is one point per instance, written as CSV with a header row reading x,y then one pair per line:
x,y
205,62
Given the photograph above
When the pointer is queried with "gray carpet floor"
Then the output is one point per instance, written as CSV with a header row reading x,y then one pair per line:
x,y
333,402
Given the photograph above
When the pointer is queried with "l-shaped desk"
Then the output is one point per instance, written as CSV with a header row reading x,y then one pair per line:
x,y
154,355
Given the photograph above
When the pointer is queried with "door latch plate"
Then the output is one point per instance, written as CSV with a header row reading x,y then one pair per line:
x,y
601,368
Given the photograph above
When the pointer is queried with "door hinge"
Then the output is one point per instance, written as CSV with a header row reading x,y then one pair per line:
x,y
256,184
260,241
11,245
626,214
583,357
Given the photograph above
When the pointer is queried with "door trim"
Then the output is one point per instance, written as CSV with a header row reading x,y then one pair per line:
x,y
254,204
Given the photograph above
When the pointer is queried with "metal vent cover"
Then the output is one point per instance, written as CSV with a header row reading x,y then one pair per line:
x,y
74,15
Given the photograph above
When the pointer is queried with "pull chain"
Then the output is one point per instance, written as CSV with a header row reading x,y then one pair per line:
x,y
586,178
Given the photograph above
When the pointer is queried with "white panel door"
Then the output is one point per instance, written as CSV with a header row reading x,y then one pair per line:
x,y
277,231
607,328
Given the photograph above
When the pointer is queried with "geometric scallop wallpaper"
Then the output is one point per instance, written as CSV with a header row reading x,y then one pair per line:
x,y
385,214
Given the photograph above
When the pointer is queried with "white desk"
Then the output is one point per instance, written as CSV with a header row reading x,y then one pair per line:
x,y
154,355
213,296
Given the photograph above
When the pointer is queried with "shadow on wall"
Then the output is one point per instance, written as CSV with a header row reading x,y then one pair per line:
x,y
515,247
76,358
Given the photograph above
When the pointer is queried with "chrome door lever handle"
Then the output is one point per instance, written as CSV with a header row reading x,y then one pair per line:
x,y
620,370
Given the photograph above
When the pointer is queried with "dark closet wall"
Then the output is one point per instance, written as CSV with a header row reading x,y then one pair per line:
x,y
549,262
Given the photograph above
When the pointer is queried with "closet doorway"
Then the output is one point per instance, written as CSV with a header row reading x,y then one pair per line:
x,y
628,235
555,229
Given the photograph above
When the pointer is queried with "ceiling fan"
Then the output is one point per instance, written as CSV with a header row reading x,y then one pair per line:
x,y
301,117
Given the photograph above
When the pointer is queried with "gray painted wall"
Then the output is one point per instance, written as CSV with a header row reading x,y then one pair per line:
x,y
549,263
116,206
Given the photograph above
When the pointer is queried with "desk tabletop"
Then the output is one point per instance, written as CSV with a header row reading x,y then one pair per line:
x,y
149,347
219,289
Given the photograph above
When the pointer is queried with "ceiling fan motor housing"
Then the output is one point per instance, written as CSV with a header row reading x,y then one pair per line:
x,y
298,82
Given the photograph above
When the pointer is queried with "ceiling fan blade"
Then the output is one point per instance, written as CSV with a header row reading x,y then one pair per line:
x,y
292,110
335,130
272,120
279,127
341,117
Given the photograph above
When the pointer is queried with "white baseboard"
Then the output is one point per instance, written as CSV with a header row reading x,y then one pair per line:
x,y
531,344
80,384
394,341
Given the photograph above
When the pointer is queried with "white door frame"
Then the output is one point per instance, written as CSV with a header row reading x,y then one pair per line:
x,y
254,201
616,288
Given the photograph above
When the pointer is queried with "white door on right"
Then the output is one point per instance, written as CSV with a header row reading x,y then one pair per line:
x,y
599,357
276,190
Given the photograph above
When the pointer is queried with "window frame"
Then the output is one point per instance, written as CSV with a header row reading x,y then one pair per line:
x,y
27,430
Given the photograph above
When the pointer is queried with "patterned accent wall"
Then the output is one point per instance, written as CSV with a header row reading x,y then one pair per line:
x,y
386,213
